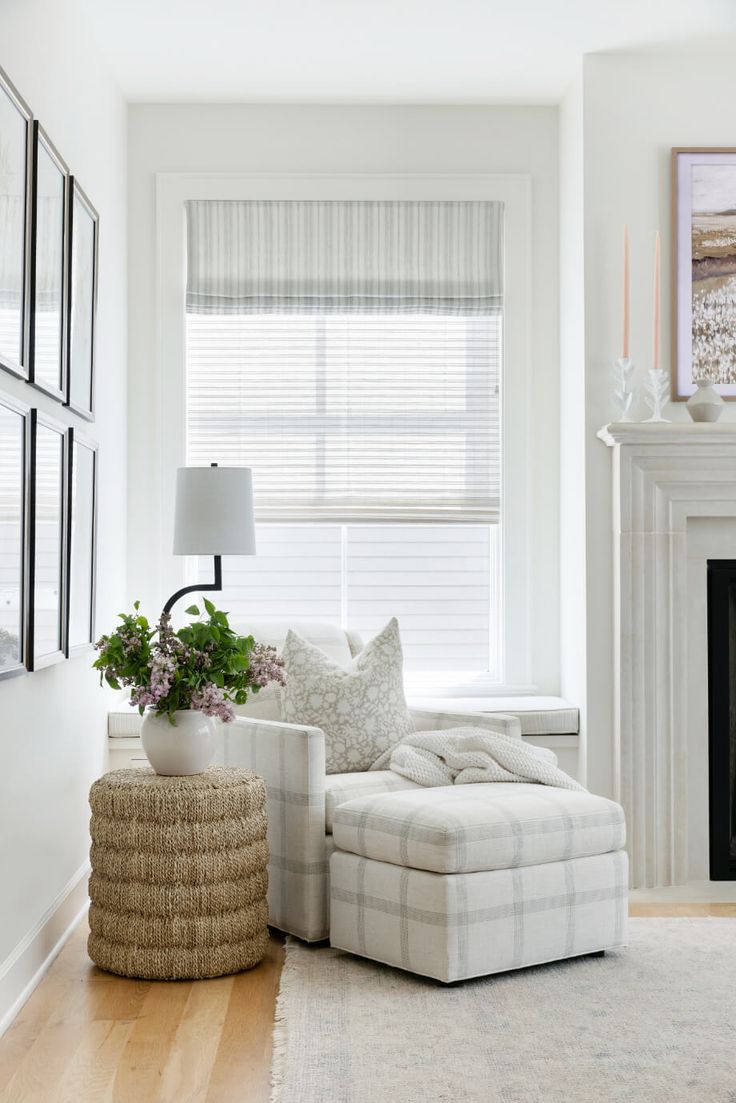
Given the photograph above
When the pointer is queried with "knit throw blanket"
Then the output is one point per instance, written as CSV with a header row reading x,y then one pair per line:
x,y
463,756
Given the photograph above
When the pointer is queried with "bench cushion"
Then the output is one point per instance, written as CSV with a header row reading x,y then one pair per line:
x,y
340,788
468,828
537,715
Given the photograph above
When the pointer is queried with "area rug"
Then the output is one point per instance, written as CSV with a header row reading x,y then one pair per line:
x,y
655,1023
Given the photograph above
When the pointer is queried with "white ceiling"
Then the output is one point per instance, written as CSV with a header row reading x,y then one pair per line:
x,y
383,51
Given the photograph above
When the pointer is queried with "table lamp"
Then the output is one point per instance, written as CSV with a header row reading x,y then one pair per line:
x,y
213,516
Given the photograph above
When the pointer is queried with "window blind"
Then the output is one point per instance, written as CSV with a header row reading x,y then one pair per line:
x,y
352,418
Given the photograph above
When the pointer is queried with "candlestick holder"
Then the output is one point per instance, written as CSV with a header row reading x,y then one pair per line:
x,y
623,391
657,388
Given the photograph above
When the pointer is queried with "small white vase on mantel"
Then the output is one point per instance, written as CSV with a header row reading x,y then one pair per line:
x,y
180,749
706,404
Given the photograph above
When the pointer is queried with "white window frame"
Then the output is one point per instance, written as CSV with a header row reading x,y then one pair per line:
x,y
514,191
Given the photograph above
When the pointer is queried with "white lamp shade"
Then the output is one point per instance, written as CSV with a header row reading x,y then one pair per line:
x,y
214,511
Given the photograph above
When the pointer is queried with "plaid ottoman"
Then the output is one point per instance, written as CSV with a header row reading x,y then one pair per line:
x,y
468,880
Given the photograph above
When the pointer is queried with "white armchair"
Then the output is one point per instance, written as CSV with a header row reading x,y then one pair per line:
x,y
301,796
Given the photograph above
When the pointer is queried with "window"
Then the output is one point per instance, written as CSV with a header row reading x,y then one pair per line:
x,y
374,438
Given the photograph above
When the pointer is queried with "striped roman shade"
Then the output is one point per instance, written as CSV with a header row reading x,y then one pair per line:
x,y
350,353
336,256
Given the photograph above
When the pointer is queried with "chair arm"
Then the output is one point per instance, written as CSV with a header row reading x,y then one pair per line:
x,y
426,720
287,756
291,760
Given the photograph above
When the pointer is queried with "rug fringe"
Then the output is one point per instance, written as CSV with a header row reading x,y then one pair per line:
x,y
280,1035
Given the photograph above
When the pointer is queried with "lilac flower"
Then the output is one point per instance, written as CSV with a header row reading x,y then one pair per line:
x,y
266,665
167,638
163,669
143,697
211,700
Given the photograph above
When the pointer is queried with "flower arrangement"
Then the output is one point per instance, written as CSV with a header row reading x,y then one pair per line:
x,y
204,666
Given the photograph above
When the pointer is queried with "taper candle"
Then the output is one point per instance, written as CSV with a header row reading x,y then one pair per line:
x,y
657,302
625,351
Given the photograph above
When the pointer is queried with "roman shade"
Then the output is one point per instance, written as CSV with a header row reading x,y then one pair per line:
x,y
377,256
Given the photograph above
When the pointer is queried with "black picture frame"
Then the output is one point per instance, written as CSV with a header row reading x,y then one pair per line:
x,y
39,496
8,667
77,552
42,280
82,304
18,365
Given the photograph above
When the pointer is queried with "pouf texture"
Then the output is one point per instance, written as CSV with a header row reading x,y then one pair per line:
x,y
178,884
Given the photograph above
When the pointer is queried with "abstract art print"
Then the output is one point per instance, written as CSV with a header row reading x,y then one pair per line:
x,y
47,554
704,270
14,438
49,277
15,159
83,235
81,536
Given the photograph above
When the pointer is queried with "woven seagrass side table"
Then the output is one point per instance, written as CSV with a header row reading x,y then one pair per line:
x,y
178,884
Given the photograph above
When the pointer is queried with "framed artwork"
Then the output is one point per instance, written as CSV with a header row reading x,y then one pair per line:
x,y
83,237
47,545
82,537
16,132
14,440
703,270
49,270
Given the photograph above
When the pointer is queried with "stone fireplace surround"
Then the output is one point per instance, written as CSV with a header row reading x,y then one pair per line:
x,y
674,507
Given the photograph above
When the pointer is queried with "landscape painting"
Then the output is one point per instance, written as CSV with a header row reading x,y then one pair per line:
x,y
704,343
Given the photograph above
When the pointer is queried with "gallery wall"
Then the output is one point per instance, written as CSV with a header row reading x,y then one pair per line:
x,y
333,140
53,722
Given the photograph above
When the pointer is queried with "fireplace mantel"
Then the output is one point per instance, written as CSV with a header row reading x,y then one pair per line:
x,y
663,475
685,433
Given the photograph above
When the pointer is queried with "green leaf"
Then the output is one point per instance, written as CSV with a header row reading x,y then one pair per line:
x,y
208,606
192,610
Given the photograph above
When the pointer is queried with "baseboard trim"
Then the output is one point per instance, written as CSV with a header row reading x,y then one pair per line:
x,y
26,965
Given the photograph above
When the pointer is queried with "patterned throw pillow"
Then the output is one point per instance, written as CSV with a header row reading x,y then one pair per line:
x,y
361,709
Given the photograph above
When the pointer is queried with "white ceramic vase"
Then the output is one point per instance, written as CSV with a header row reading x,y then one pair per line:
x,y
706,404
177,750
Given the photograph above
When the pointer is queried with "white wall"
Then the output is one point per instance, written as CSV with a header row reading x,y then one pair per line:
x,y
52,723
634,109
572,412
334,140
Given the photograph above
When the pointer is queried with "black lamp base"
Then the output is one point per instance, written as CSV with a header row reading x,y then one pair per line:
x,y
216,585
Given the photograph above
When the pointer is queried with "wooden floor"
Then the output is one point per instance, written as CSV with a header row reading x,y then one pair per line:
x,y
85,1036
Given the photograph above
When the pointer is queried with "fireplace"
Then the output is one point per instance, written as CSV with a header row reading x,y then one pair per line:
x,y
722,717
674,511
